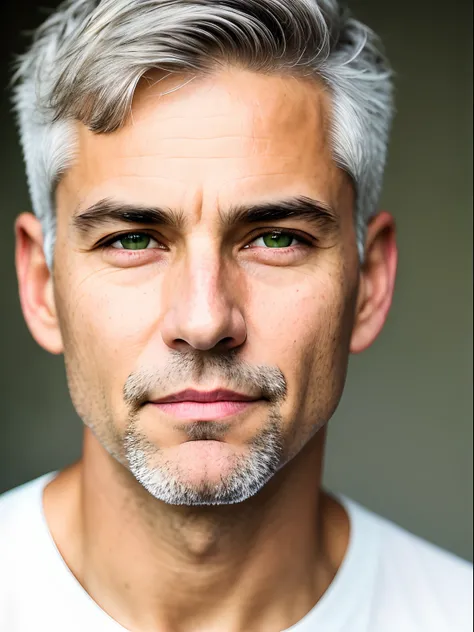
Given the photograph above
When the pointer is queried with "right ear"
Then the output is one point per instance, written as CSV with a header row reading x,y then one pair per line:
x,y
35,284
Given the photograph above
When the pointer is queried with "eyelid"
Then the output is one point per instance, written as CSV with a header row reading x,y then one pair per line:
x,y
107,241
305,239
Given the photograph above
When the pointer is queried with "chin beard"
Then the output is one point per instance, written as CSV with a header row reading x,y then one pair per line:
x,y
165,482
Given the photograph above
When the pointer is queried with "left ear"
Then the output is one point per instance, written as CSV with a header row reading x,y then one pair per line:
x,y
377,281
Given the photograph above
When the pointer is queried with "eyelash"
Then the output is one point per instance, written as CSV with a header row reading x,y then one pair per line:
x,y
304,241
109,241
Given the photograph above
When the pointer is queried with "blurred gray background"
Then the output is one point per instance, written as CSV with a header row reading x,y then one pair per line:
x,y
401,440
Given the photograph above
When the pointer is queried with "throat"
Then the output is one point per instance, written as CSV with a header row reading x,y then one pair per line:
x,y
260,564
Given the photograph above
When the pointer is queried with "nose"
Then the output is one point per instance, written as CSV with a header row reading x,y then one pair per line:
x,y
202,309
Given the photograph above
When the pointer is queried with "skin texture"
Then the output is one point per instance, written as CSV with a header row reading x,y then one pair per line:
x,y
203,291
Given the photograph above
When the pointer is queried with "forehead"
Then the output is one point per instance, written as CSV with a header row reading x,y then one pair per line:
x,y
207,140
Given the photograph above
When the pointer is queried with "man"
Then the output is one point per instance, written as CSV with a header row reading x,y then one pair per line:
x,y
206,252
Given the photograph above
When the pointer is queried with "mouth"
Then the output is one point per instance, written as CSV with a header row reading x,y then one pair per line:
x,y
205,405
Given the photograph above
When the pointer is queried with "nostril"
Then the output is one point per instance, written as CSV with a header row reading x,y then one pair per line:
x,y
180,345
227,343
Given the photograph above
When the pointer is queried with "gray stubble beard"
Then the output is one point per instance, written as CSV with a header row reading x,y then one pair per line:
x,y
248,475
250,472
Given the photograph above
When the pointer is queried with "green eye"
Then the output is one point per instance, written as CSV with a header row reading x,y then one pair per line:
x,y
277,240
133,241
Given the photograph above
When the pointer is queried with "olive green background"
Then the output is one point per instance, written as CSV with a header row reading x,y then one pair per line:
x,y
401,440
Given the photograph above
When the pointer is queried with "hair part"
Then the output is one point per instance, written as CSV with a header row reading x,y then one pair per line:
x,y
88,57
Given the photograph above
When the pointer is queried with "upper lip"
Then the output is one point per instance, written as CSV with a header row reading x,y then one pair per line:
x,y
217,395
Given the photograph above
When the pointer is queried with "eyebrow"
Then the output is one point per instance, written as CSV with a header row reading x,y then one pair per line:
x,y
300,207
107,211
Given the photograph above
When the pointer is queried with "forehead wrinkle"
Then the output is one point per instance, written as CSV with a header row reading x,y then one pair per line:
x,y
270,174
218,137
224,87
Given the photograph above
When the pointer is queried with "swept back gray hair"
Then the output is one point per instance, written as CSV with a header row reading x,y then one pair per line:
x,y
87,58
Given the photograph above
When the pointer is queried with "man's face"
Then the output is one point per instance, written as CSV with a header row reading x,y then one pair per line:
x,y
179,266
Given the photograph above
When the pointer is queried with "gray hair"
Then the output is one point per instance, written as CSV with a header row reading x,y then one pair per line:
x,y
87,58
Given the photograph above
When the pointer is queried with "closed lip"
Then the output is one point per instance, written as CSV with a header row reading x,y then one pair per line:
x,y
218,395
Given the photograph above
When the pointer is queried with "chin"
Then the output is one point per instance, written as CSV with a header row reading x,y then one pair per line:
x,y
203,473
204,462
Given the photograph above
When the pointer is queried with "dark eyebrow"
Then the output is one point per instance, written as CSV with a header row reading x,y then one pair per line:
x,y
300,207
107,210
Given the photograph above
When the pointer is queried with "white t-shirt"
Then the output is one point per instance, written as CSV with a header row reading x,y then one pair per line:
x,y
389,581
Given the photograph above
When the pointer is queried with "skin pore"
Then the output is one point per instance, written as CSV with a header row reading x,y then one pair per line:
x,y
164,277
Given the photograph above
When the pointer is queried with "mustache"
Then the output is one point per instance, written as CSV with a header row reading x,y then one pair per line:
x,y
184,370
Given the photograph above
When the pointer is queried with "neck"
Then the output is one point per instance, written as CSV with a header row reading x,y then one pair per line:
x,y
261,564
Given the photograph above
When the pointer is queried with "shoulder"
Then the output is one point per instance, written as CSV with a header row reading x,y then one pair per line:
x,y
419,585
17,504
21,539
20,518
21,524
426,560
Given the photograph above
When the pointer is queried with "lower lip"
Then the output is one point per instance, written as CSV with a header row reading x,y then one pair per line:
x,y
209,411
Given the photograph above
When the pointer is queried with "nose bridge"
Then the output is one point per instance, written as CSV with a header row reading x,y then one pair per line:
x,y
202,311
203,287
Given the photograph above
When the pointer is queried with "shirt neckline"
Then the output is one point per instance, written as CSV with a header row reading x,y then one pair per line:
x,y
348,595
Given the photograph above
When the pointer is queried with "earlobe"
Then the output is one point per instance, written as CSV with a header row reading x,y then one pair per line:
x,y
377,282
36,284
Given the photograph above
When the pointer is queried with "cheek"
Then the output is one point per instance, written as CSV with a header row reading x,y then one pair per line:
x,y
293,320
106,323
305,331
115,316
324,359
